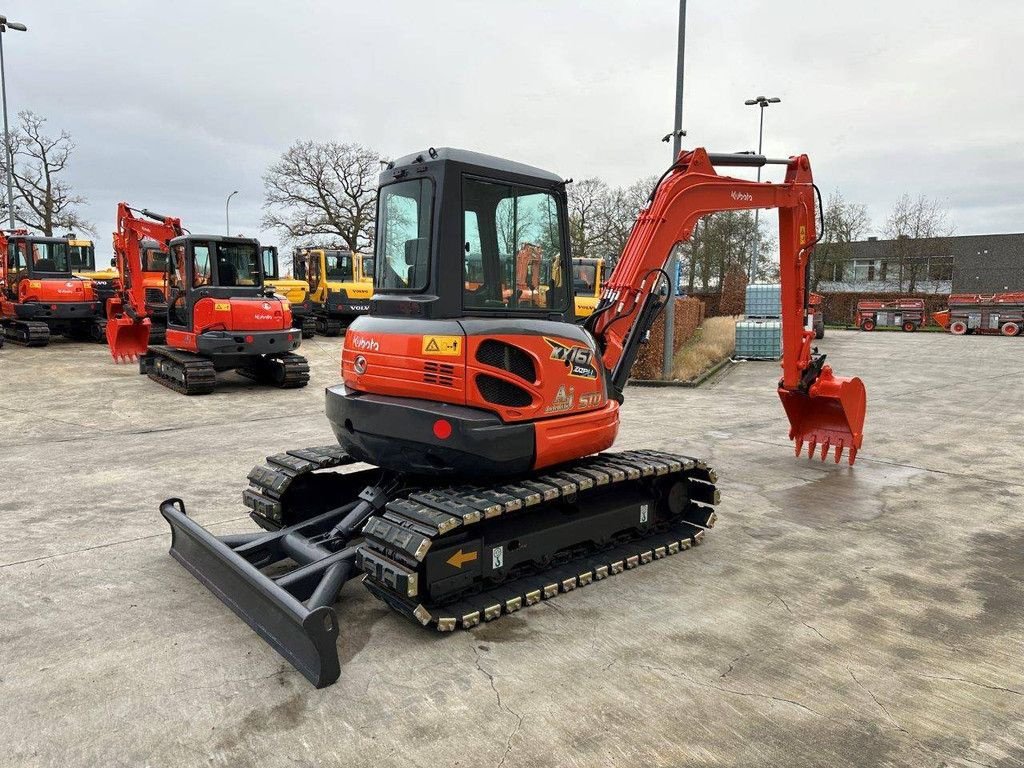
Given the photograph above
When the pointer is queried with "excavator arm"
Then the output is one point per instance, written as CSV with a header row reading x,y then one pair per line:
x,y
823,409
128,322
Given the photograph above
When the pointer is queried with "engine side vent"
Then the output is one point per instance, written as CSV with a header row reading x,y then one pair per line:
x,y
439,373
500,392
498,354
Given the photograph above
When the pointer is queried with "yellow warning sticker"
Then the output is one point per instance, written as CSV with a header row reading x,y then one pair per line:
x,y
803,234
35,284
222,306
442,345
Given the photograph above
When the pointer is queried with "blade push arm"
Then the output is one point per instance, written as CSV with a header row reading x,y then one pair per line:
x,y
690,189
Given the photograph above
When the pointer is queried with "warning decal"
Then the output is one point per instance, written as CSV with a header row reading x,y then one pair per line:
x,y
222,306
442,345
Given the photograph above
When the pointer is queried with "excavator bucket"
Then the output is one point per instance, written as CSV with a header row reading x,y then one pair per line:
x,y
127,338
829,416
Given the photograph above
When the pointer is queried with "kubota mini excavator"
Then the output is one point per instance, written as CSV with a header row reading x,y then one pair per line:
x,y
296,291
219,314
486,417
39,294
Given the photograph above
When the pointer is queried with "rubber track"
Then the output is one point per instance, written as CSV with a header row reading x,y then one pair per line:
x,y
28,333
200,377
265,371
269,482
328,326
410,527
308,327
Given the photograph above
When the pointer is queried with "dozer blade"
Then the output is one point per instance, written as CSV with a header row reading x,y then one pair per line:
x,y
306,638
829,416
127,338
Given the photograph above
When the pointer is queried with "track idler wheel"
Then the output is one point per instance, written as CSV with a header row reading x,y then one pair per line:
x,y
830,415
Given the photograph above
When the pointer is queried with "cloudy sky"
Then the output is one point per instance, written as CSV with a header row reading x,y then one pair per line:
x,y
174,105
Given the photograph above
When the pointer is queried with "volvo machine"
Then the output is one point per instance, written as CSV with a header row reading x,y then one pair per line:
x,y
220,316
338,286
296,291
39,294
82,254
587,275
472,427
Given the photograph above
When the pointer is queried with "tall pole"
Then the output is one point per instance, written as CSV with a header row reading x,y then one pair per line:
x,y
762,103
677,140
757,211
227,216
8,155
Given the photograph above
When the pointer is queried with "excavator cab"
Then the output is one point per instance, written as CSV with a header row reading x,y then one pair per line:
x,y
205,266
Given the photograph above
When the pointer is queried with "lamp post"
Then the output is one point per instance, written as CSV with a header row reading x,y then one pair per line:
x,y
762,102
227,216
9,155
668,351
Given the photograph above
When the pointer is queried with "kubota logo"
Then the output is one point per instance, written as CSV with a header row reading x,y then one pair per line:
x,y
266,305
361,342
745,197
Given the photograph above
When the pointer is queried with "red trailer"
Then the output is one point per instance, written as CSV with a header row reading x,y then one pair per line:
x,y
907,314
980,313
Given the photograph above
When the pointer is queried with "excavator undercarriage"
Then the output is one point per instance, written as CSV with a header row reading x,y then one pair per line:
x,y
447,557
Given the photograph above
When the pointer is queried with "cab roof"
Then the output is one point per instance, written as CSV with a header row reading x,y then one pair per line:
x,y
475,159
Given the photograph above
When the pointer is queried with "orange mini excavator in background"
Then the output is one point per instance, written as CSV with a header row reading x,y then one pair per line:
x,y
485,416
39,295
219,314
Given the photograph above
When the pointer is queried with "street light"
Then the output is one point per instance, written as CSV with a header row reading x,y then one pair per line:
x,y
4,26
762,102
227,219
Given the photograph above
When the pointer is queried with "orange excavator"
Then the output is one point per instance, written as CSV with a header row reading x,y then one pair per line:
x,y
219,315
486,420
39,294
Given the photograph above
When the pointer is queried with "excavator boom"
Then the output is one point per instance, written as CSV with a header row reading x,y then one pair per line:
x,y
128,319
823,409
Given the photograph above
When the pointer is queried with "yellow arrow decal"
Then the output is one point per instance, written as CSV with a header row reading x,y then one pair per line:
x,y
460,558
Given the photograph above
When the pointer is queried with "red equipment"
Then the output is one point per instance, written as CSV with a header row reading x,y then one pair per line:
x,y
219,315
481,405
976,313
815,315
39,294
907,314
140,252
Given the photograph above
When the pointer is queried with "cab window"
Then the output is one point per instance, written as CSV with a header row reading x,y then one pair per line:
x,y
269,264
513,248
339,266
200,265
403,237
237,264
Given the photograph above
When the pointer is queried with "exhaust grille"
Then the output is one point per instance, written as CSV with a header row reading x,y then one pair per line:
x,y
439,373
497,354
500,392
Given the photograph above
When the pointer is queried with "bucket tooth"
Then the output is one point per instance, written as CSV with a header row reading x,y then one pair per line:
x,y
824,449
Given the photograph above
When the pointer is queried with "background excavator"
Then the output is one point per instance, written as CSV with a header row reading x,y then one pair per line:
x,y
82,254
587,278
39,294
340,285
484,420
296,291
220,316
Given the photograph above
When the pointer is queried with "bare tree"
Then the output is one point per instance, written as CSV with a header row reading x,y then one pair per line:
x,y
720,243
43,200
845,223
618,213
323,189
586,199
918,228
